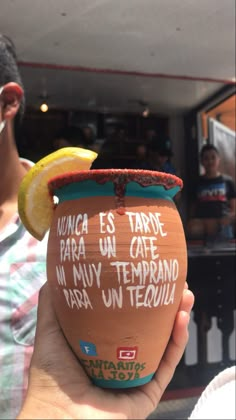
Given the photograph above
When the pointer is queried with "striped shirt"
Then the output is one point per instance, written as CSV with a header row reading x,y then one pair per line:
x,y
22,273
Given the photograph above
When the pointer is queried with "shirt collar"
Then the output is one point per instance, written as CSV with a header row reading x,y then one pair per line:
x,y
15,223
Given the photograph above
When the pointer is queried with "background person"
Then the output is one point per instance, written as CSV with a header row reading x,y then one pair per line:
x,y
88,137
22,258
214,205
161,159
69,137
141,160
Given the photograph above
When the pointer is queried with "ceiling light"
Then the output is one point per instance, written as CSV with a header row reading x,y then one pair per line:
x,y
44,107
145,113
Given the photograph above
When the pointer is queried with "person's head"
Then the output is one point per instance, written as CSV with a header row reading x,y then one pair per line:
x,y
88,134
11,87
161,155
60,142
210,158
69,137
141,151
150,133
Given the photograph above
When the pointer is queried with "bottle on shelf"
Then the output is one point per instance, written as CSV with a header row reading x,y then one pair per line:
x,y
214,343
232,339
190,356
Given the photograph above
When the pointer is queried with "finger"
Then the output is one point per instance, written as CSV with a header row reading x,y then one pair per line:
x,y
179,338
187,301
174,351
186,285
52,354
46,318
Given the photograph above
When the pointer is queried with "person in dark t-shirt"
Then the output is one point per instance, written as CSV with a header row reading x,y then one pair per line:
x,y
214,196
213,212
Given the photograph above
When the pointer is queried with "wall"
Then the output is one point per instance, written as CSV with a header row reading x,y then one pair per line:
x,y
177,135
225,113
176,132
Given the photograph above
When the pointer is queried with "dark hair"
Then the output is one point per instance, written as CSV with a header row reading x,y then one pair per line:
x,y
162,149
72,134
9,71
207,148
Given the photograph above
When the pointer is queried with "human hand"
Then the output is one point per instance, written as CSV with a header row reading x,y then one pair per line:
x,y
59,388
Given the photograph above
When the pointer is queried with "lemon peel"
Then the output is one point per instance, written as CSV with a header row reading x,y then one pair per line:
x,y
35,204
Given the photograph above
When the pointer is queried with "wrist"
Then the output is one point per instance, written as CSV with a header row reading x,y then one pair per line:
x,y
34,408
46,399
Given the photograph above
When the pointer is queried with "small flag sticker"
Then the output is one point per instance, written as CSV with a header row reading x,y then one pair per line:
x,y
127,353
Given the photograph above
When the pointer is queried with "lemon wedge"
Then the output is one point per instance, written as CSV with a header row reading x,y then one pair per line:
x,y
35,205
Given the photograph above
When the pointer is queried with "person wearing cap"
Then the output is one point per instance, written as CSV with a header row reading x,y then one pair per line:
x,y
161,159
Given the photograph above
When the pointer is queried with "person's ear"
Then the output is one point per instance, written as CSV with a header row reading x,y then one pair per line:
x,y
11,96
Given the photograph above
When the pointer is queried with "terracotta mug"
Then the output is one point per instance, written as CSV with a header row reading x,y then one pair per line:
x,y
116,267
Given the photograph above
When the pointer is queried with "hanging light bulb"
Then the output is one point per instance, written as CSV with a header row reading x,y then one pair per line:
x,y
44,107
145,112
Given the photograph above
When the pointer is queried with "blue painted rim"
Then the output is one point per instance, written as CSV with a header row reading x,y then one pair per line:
x,y
91,188
105,383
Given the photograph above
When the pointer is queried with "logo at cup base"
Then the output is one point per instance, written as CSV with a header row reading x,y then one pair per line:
x,y
127,353
88,348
